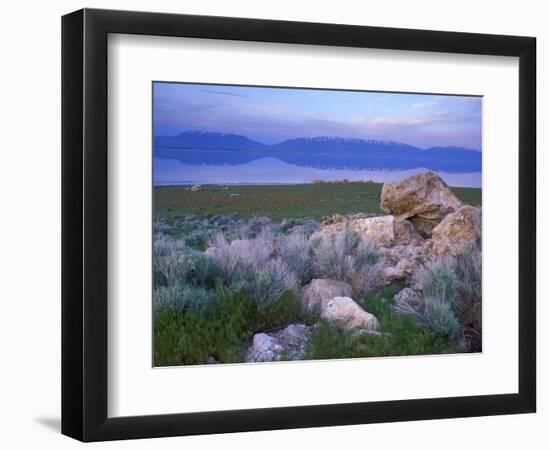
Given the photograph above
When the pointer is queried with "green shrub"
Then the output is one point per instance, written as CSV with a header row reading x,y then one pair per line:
x,y
440,286
406,336
330,342
220,327
345,257
440,317
286,310
256,227
468,269
269,282
205,271
439,281
182,296
252,268
184,337
198,239
295,250
218,330
172,261
175,263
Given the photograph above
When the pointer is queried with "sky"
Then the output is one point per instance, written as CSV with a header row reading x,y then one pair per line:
x,y
271,115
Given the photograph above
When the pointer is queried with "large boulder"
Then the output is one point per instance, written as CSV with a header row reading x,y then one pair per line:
x,y
288,343
383,230
455,231
348,314
321,290
424,199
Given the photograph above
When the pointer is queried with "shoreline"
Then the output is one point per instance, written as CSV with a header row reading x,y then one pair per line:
x,y
190,184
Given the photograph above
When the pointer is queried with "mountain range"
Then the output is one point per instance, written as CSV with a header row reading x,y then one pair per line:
x,y
200,147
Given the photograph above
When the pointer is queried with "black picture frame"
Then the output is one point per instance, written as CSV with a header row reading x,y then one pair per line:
x,y
84,224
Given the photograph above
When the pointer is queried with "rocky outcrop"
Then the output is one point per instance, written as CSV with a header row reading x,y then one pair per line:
x,y
402,261
348,314
424,199
289,343
455,230
383,230
321,290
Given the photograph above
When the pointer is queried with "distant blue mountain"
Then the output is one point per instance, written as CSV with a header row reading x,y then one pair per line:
x,y
203,139
327,145
196,147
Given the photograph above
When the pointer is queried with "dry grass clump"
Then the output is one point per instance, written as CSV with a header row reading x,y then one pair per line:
x,y
254,266
346,257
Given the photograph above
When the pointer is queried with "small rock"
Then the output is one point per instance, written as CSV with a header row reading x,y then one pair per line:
x,y
347,313
196,187
289,343
263,342
321,290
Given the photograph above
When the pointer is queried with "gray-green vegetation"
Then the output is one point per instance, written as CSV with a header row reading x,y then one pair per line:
x,y
220,278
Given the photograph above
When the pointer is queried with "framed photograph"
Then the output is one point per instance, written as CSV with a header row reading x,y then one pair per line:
x,y
273,224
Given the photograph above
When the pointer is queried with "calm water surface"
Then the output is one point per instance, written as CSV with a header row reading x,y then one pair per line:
x,y
271,170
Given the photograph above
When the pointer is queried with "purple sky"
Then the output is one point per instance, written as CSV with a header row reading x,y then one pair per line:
x,y
271,115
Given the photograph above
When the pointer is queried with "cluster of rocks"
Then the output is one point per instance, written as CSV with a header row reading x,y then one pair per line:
x,y
331,299
425,222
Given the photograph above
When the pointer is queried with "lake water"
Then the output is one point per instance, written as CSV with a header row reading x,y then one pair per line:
x,y
270,170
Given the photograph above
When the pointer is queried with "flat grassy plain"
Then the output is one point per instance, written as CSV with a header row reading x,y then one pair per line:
x,y
280,201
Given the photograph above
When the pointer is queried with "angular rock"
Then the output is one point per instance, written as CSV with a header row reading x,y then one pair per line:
x,y
264,348
403,270
425,199
196,187
455,231
348,314
379,229
402,261
321,290
289,343
383,230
